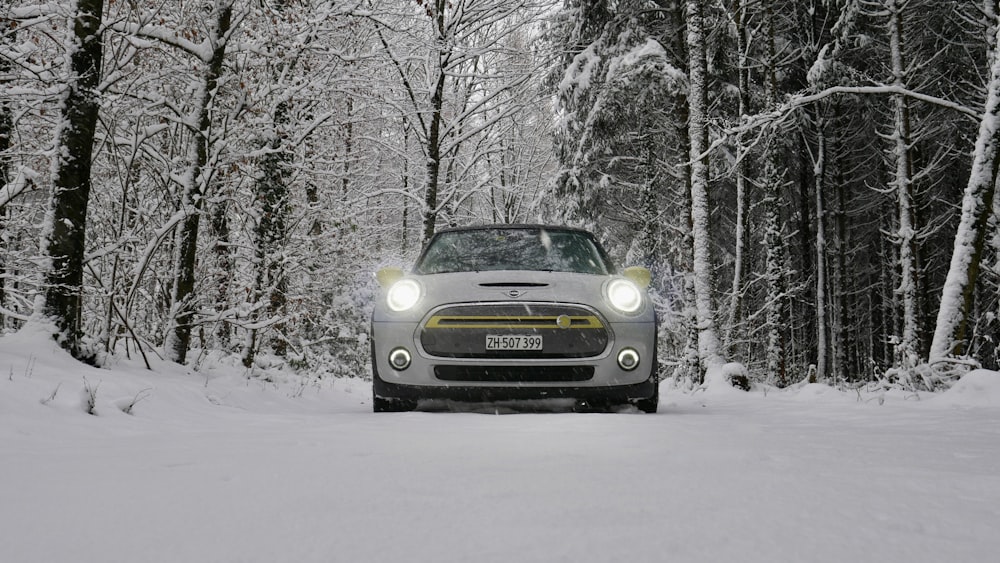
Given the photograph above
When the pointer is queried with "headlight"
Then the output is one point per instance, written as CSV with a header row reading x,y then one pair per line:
x,y
403,295
624,295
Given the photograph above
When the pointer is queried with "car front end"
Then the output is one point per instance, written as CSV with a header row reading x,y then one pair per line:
x,y
500,335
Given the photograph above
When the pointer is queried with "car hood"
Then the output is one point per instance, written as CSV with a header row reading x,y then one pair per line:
x,y
505,285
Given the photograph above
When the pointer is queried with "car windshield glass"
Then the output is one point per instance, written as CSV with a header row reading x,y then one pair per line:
x,y
513,249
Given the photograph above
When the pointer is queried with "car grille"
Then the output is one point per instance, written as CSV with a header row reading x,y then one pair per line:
x,y
568,331
514,374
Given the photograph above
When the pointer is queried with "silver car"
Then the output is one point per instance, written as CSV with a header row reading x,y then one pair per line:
x,y
510,313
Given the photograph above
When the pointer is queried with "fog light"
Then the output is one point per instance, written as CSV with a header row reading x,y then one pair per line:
x,y
399,359
628,359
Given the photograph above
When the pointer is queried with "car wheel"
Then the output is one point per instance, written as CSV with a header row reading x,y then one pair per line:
x,y
382,404
646,405
650,404
594,406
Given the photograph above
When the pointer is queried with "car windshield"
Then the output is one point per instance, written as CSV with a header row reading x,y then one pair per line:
x,y
513,249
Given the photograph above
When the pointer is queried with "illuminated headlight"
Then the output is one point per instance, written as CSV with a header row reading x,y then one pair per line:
x,y
624,295
403,295
399,359
628,359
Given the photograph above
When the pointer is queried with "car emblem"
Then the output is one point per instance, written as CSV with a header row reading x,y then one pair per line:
x,y
563,321
514,293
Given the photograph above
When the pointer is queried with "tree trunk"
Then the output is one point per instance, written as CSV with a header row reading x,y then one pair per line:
x,y
841,341
64,242
179,336
774,274
434,140
709,349
819,171
734,332
950,331
433,161
226,270
7,30
271,194
773,179
907,289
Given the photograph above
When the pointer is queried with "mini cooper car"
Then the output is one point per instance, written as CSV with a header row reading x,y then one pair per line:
x,y
510,313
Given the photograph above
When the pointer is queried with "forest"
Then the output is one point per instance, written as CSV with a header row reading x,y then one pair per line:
x,y
811,182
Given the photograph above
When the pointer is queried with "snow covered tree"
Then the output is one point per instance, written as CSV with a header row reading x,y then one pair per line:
x,y
909,345
978,220
271,187
7,32
709,347
453,93
66,229
773,180
621,141
740,17
620,89
820,183
211,54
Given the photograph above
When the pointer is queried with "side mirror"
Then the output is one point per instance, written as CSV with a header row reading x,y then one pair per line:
x,y
641,276
388,276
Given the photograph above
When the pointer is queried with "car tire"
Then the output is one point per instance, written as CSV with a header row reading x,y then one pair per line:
x,y
382,404
650,404
595,406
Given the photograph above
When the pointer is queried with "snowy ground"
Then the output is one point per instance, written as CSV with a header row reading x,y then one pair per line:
x,y
213,467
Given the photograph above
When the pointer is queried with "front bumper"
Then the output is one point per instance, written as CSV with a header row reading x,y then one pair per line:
x,y
593,378
485,394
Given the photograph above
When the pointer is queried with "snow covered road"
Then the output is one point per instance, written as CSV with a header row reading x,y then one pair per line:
x,y
246,473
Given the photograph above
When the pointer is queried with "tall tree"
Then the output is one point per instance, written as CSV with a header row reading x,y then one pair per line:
x,y
66,230
819,174
903,180
196,180
709,348
951,332
773,180
7,29
272,193
741,24
452,95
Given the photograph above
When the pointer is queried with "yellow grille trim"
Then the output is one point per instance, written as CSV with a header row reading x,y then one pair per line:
x,y
508,322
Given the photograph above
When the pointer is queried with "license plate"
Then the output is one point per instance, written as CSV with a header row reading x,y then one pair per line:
x,y
513,342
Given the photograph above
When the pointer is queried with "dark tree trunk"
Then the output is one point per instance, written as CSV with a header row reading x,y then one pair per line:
x,y
434,139
433,160
64,245
226,268
734,331
179,340
6,131
271,194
